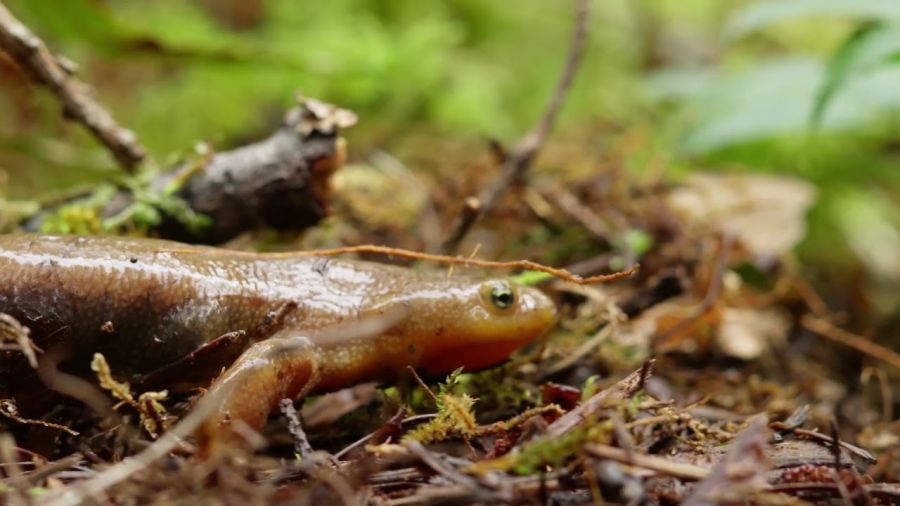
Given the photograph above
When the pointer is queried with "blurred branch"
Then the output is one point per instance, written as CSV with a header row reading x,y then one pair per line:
x,y
871,349
516,162
33,56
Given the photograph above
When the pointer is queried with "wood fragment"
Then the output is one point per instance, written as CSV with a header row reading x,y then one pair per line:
x,y
651,462
11,331
51,468
301,443
447,471
625,388
281,182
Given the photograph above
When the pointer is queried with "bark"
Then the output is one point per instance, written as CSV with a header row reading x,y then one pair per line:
x,y
281,182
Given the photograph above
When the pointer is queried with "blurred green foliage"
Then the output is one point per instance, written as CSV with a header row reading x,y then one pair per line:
x,y
805,87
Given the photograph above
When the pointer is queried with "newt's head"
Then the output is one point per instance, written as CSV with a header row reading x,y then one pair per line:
x,y
475,325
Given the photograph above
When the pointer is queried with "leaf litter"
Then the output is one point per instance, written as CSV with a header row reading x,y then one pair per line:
x,y
691,382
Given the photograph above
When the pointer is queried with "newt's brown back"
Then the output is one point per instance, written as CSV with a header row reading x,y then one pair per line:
x,y
164,299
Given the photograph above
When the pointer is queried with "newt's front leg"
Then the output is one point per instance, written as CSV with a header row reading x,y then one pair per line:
x,y
281,367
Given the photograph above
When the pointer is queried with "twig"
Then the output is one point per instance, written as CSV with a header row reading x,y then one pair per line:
x,y
9,410
859,343
825,440
51,468
710,299
621,390
523,492
30,53
13,331
516,162
585,348
422,384
417,255
653,463
301,443
584,216
447,471
369,437
835,443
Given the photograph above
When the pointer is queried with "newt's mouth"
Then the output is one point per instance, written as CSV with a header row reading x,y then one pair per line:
x,y
470,357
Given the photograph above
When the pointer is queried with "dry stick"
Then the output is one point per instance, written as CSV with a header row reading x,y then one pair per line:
x,y
13,331
368,437
677,469
859,343
709,300
586,347
516,163
301,443
623,389
445,470
51,468
422,384
417,255
32,55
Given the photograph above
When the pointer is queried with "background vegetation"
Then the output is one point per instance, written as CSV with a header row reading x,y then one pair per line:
x,y
803,87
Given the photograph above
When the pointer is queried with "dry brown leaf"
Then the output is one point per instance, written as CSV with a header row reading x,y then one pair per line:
x,y
748,333
765,214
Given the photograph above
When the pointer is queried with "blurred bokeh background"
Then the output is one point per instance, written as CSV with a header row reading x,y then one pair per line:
x,y
809,88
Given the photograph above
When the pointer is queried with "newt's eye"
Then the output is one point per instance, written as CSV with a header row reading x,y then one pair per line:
x,y
503,296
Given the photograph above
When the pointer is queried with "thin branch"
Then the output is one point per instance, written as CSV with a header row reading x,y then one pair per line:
x,y
859,343
668,467
417,255
709,302
623,389
32,55
516,163
301,443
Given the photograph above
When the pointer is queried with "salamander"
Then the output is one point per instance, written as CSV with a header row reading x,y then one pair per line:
x,y
165,313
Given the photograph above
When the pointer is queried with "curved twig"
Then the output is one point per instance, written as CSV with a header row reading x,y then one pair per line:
x,y
30,53
517,162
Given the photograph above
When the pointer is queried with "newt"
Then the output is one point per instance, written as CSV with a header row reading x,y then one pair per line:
x,y
168,314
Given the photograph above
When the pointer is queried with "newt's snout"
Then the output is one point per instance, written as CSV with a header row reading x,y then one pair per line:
x,y
484,324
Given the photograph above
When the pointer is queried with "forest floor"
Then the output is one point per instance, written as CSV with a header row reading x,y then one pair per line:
x,y
716,374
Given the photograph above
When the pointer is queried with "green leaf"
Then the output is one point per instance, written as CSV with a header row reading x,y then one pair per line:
x,y
636,241
843,64
764,14
776,98
531,278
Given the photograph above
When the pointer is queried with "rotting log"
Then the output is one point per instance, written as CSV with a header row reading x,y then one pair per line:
x,y
281,182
